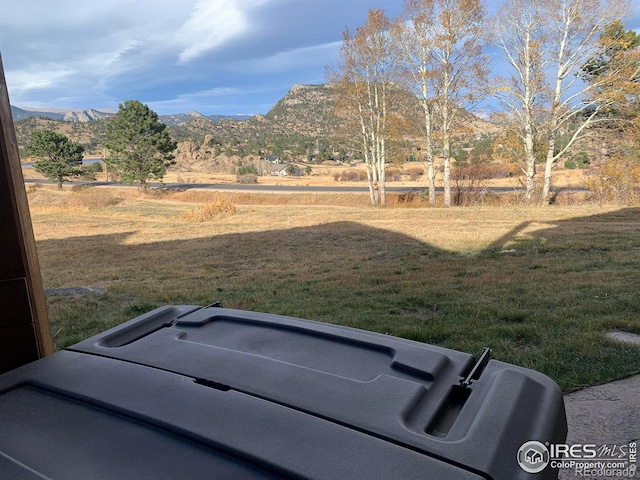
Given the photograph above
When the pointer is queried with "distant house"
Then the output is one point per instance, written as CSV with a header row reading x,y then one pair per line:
x,y
272,158
284,170
278,170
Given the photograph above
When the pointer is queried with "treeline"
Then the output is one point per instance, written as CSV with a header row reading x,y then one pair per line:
x,y
566,75
282,136
90,135
139,149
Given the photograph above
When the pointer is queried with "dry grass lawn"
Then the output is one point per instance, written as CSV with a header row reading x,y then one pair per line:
x,y
541,286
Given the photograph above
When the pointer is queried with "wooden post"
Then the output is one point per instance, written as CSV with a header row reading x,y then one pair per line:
x,y
25,333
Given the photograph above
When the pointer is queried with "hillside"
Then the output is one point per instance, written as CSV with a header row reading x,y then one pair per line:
x,y
300,126
87,115
305,110
181,119
89,134
21,114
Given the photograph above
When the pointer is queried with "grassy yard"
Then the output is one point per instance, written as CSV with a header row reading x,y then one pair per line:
x,y
540,286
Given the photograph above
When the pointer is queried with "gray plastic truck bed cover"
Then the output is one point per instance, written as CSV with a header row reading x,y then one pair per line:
x,y
192,392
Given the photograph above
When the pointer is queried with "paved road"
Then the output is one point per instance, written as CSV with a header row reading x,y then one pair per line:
x,y
288,188
239,187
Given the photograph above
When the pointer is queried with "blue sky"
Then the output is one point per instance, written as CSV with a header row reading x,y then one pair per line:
x,y
212,56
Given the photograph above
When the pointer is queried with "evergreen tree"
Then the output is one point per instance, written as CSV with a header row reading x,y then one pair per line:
x,y
614,41
614,73
57,157
140,146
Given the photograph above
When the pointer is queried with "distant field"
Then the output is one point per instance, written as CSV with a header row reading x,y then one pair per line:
x,y
540,286
322,175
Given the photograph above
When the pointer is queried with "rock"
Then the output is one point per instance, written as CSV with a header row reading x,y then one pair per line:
x,y
75,291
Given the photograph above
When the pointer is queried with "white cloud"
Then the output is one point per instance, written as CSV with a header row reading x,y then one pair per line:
x,y
214,98
196,97
213,23
292,59
94,67
21,81
82,46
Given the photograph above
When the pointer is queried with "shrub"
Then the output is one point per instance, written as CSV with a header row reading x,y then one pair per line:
x,y
392,174
88,172
353,175
503,170
469,183
460,154
617,180
411,197
582,160
248,178
292,170
95,167
34,187
248,170
415,173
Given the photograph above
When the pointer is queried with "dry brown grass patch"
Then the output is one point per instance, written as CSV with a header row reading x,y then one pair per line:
x,y
272,198
75,199
213,209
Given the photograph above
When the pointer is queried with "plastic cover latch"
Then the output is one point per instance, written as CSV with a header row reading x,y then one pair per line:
x,y
477,369
455,400
180,318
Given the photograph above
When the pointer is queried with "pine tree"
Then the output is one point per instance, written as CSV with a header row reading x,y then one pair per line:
x,y
140,146
57,157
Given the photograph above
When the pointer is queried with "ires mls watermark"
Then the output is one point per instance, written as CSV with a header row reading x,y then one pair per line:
x,y
584,460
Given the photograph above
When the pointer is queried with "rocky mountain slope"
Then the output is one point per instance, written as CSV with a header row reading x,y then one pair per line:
x,y
299,126
21,114
57,114
85,115
181,119
306,110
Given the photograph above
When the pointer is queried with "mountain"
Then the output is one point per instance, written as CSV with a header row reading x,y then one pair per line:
x,y
57,114
220,118
304,113
309,110
303,116
180,119
22,113
305,110
85,115
299,125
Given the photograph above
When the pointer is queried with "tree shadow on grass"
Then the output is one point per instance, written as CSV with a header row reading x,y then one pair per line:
x,y
544,303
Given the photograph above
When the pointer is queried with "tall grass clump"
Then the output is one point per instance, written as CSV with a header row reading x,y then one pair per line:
x,y
90,198
216,207
247,178
79,199
350,175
